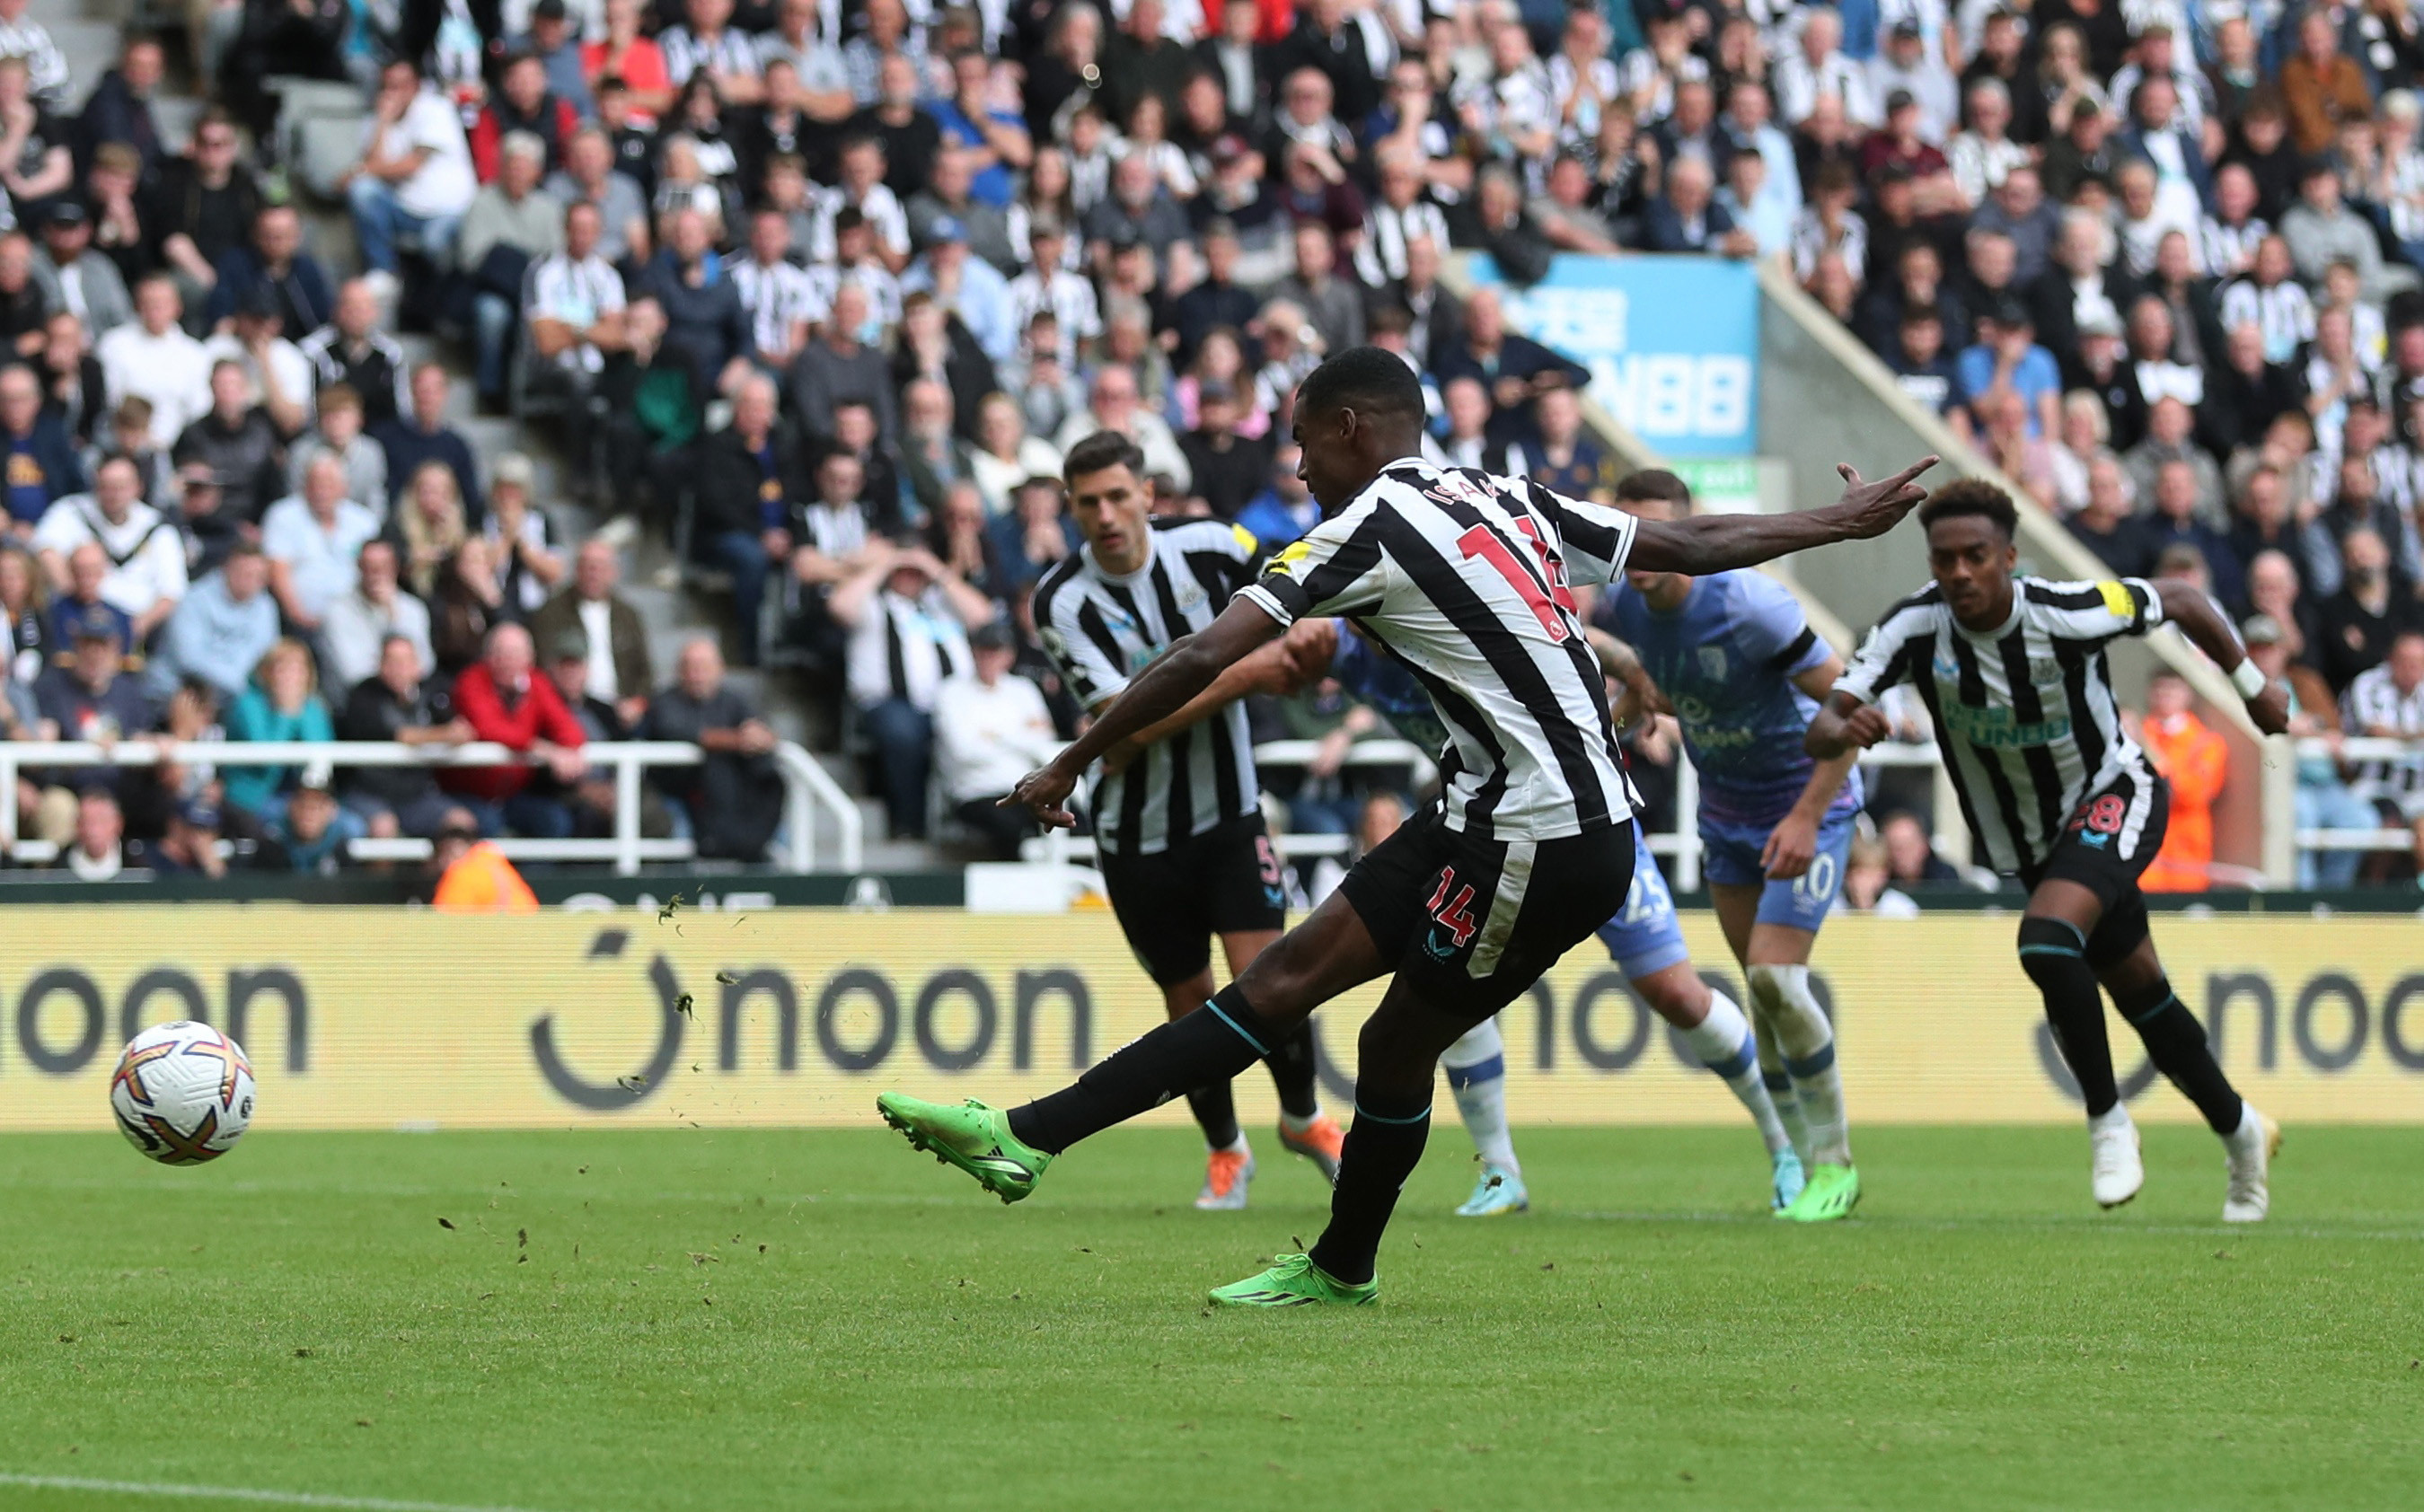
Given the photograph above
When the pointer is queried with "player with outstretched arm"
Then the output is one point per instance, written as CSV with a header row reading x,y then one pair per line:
x,y
1465,577
2013,672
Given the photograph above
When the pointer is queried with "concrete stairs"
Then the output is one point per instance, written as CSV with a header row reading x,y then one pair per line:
x,y
89,35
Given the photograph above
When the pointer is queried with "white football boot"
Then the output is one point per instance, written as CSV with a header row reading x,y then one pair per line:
x,y
2251,1149
2116,1172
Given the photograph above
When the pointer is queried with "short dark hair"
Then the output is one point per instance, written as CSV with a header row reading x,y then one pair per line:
x,y
1971,496
1654,484
1104,449
1366,379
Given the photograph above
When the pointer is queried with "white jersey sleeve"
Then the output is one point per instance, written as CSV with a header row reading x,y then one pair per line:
x,y
1884,658
1338,567
2097,611
1597,538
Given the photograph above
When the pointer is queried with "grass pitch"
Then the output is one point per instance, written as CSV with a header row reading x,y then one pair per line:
x,y
691,1320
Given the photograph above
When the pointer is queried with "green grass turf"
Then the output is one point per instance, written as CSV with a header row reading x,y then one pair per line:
x,y
784,1320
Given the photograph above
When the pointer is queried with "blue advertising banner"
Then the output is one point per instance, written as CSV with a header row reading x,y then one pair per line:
x,y
1672,342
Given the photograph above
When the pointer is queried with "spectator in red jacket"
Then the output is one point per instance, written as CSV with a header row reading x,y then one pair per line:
x,y
506,701
523,102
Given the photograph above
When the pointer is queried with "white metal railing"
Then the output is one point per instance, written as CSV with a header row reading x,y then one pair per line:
x,y
1060,846
1680,849
808,788
2359,749
1682,846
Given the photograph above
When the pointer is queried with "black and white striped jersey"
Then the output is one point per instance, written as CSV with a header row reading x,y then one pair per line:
x,y
1101,630
2024,713
1462,576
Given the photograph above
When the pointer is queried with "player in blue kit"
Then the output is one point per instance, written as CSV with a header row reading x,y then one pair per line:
x,y
1644,936
1733,657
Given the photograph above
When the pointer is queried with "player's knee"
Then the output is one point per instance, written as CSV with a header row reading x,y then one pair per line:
x,y
1680,998
1400,1049
1782,992
2052,950
1478,1045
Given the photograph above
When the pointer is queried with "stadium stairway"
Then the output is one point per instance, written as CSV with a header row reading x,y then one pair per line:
x,y
88,34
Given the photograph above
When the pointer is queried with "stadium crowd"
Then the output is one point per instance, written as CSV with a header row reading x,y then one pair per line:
x,y
823,289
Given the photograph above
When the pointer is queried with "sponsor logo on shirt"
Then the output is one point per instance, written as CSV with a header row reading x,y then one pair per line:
x,y
1997,729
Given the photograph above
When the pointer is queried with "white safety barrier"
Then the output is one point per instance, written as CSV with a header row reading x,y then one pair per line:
x,y
807,790
1680,849
2359,750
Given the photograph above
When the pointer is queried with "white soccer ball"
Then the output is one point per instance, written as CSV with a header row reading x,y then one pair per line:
x,y
182,1093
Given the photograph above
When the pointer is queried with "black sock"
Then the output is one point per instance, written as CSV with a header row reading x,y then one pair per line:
x,y
2052,953
1383,1146
2176,1043
1295,1071
1211,1044
1216,1114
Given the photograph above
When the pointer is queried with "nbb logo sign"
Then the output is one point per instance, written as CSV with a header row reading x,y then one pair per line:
x,y
1671,343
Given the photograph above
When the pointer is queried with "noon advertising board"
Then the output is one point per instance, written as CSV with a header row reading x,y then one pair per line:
x,y
383,1018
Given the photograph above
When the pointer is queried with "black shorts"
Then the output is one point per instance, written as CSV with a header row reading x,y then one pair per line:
x,y
1470,924
1171,902
2106,846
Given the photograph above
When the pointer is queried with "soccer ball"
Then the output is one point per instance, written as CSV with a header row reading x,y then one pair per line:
x,y
182,1094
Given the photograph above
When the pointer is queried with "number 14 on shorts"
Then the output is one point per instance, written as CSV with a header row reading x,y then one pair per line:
x,y
1452,913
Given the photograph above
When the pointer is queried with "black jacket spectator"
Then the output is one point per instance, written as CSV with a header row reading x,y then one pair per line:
x,y
1206,306
734,796
185,203
247,458
407,446
372,712
43,467
1228,470
1340,56
374,368
2122,546
733,482
703,316
116,112
2355,638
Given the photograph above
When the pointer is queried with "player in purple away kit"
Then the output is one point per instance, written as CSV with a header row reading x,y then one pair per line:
x,y
1744,674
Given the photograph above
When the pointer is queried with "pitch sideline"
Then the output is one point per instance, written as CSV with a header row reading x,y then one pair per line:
x,y
237,1493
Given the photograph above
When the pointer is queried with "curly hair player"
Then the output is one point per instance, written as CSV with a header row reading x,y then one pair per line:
x,y
1465,577
2013,673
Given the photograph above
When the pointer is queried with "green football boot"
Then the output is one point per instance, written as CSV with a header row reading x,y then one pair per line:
x,y
1832,1192
972,1136
1294,1281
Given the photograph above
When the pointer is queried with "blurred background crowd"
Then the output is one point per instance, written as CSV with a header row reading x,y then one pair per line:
x,y
807,299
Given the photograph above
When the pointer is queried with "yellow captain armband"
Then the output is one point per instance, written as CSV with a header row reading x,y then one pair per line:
x,y
2117,598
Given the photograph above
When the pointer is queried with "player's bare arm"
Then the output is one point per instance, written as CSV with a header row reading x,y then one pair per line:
x,y
1639,695
1188,668
1846,725
1277,669
1794,843
1717,543
2187,606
